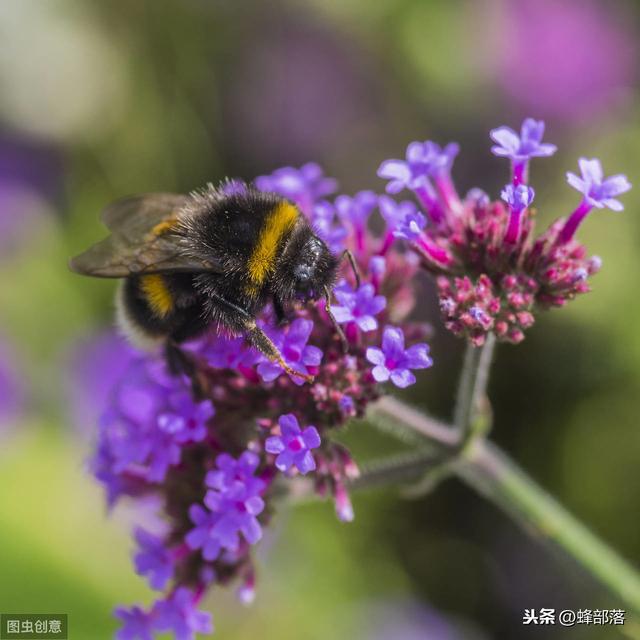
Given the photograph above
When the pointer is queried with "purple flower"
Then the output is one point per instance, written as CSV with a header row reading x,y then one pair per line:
x,y
518,198
224,352
357,209
186,420
598,191
323,221
359,306
571,79
294,445
403,219
439,158
292,343
524,146
233,501
153,559
151,418
423,160
137,624
203,536
377,267
95,366
178,614
395,362
304,186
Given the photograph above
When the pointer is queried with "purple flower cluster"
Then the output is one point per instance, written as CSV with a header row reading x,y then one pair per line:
x,y
215,445
492,271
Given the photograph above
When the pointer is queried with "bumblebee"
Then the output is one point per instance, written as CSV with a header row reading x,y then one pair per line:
x,y
214,257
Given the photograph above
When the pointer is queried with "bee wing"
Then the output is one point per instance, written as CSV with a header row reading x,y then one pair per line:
x,y
139,242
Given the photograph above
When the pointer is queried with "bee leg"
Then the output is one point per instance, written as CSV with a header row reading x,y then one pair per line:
x,y
261,341
281,316
181,363
257,337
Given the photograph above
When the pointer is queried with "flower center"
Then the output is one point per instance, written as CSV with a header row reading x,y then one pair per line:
x,y
296,444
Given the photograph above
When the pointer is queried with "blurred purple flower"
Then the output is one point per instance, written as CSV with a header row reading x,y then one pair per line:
x,y
12,395
395,362
186,421
525,146
178,614
403,219
598,191
565,60
359,307
294,446
234,501
137,624
292,343
152,559
95,365
139,431
225,352
29,176
323,219
423,160
357,209
304,186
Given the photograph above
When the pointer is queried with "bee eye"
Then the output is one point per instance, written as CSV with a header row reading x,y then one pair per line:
x,y
302,272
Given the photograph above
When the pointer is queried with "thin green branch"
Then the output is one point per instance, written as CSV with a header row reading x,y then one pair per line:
x,y
491,472
472,386
396,469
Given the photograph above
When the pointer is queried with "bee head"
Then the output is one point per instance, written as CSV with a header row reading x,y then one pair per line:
x,y
307,268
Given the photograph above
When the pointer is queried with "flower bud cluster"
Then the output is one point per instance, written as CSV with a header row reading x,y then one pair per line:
x,y
493,271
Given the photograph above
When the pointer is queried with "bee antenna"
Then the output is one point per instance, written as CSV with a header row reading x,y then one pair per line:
x,y
337,327
354,266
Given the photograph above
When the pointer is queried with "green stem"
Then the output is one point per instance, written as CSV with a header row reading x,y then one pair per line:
x,y
491,472
473,385
396,469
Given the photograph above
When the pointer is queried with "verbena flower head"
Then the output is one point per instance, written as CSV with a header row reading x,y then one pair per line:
x,y
493,272
217,445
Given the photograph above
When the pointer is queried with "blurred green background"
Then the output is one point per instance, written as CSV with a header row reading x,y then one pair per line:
x,y
105,98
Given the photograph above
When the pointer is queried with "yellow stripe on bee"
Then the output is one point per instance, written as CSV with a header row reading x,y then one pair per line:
x,y
156,292
164,226
261,262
